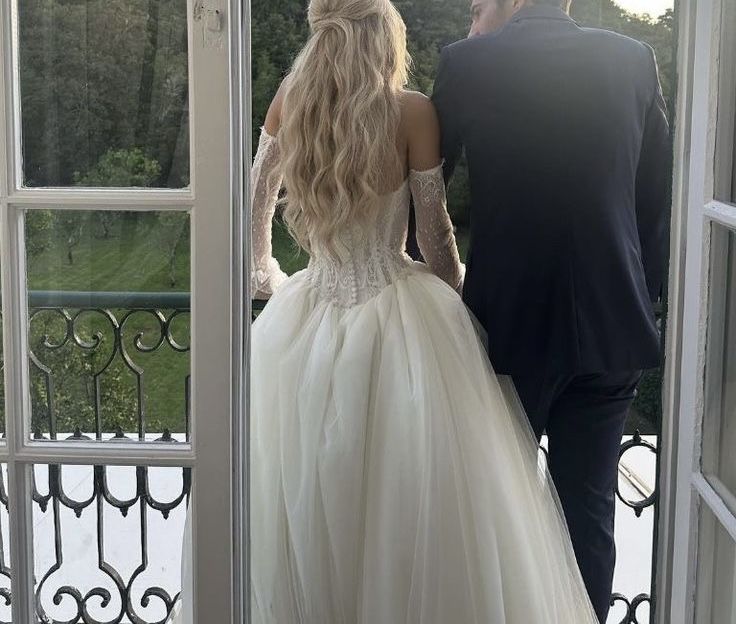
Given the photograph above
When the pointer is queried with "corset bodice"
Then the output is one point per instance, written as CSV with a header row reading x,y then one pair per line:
x,y
367,257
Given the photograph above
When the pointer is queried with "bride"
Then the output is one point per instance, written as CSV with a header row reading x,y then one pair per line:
x,y
394,477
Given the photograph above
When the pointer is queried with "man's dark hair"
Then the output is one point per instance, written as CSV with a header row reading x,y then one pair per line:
x,y
560,4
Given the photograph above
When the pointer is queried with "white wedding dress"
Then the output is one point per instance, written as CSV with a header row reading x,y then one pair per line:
x,y
394,477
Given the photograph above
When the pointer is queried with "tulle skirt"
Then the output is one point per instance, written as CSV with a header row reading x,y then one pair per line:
x,y
394,477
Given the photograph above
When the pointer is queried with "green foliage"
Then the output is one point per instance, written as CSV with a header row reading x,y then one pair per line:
x,y
91,367
101,75
71,227
39,225
173,230
72,370
131,259
647,408
121,168
278,33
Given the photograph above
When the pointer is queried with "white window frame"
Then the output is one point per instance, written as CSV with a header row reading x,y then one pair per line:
x,y
684,490
218,449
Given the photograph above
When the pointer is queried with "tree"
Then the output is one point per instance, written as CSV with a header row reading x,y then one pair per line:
x,y
172,228
122,168
148,68
39,225
90,83
71,225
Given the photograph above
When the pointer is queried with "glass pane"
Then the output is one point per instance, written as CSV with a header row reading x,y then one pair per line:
x,y
107,542
109,325
104,92
716,597
719,429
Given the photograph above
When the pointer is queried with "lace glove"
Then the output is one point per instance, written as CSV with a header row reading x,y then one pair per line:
x,y
265,180
435,234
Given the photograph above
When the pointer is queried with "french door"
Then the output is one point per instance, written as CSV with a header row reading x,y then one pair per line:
x,y
122,309
697,558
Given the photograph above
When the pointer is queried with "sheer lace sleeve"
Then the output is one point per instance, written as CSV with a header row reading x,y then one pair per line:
x,y
266,274
434,228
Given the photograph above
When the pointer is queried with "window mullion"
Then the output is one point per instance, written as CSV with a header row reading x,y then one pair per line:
x,y
19,486
98,453
5,99
718,499
21,541
722,213
102,199
212,319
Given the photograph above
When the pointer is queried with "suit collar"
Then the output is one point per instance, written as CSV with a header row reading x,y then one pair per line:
x,y
541,11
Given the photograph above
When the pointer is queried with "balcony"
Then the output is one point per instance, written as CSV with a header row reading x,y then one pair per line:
x,y
107,539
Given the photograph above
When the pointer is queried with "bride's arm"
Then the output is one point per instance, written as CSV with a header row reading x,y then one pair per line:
x,y
435,234
266,274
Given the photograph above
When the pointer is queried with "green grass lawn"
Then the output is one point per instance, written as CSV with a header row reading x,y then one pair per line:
x,y
133,257
291,257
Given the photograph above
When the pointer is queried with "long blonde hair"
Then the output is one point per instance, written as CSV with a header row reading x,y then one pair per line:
x,y
340,116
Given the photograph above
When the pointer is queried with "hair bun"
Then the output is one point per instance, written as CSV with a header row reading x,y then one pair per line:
x,y
324,14
323,22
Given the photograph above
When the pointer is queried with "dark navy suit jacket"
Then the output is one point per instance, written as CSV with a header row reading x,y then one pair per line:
x,y
566,136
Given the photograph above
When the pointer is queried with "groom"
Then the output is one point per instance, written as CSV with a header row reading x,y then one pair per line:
x,y
567,142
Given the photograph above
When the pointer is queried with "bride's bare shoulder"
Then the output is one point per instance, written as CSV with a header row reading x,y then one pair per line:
x,y
416,108
421,128
273,116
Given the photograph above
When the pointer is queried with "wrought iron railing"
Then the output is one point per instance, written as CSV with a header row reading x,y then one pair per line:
x,y
114,327
85,605
100,604
648,499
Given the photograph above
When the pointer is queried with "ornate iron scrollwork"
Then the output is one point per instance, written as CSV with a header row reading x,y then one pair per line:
x,y
101,597
118,329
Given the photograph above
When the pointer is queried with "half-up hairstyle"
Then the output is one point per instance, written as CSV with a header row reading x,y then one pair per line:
x,y
340,116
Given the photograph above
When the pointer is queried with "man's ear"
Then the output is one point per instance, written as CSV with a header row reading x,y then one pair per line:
x,y
518,4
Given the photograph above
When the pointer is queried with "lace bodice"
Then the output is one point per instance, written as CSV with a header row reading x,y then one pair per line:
x,y
368,257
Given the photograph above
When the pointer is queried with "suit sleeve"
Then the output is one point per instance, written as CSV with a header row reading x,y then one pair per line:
x,y
443,98
653,187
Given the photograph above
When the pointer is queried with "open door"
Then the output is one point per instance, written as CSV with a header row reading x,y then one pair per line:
x,y
697,557
122,309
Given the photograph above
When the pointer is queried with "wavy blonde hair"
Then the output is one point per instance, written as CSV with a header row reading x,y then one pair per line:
x,y
340,116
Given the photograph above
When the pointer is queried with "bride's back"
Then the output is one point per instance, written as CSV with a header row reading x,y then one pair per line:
x,y
341,133
347,134
366,251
